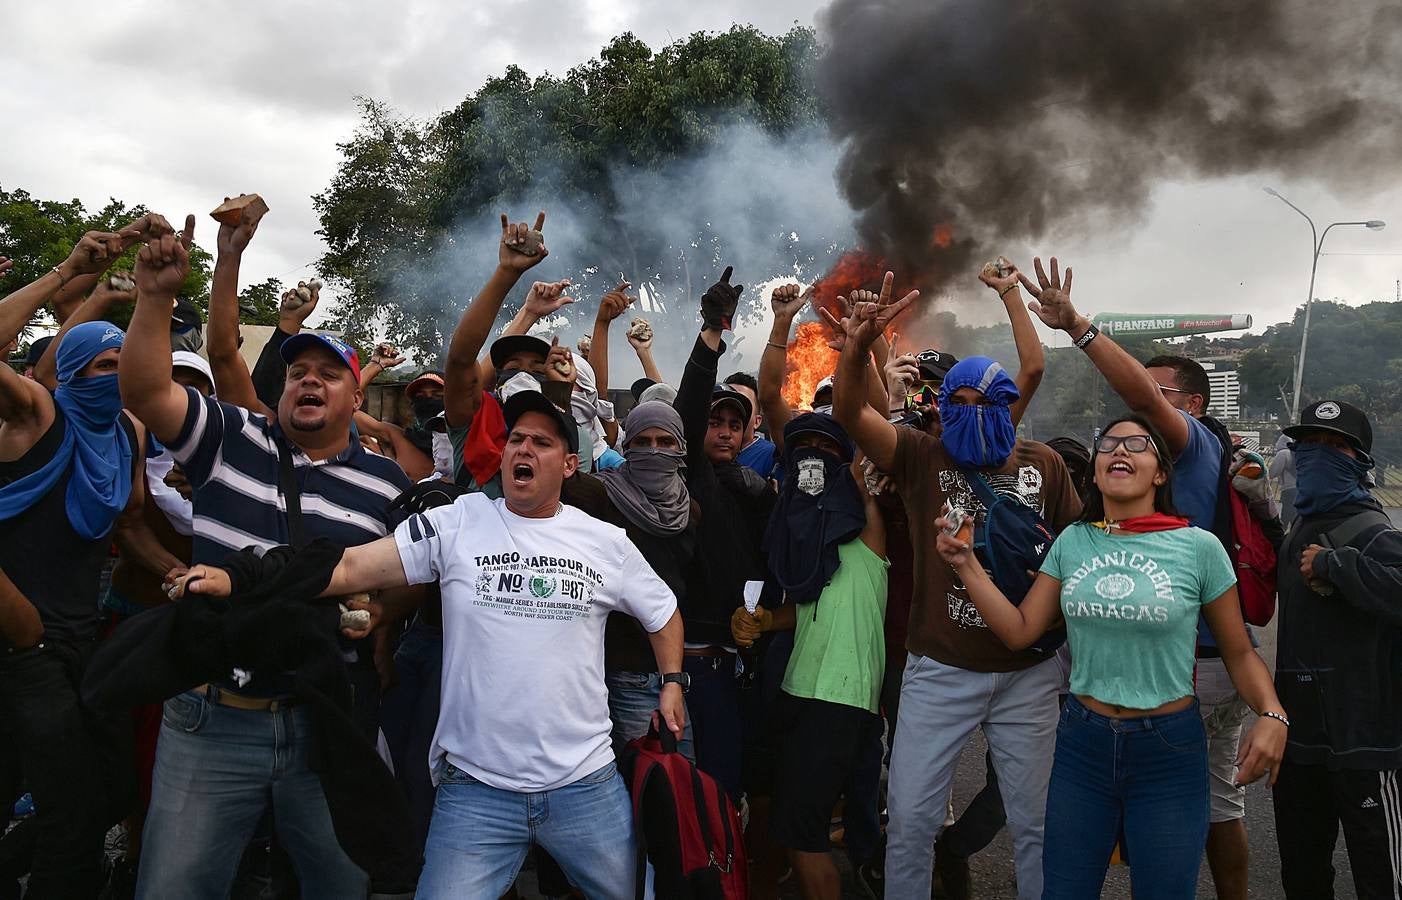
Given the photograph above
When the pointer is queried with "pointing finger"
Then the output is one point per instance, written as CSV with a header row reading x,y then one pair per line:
x,y
725,276
187,237
505,224
886,283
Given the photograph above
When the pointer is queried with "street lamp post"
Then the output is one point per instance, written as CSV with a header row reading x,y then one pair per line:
x,y
1317,244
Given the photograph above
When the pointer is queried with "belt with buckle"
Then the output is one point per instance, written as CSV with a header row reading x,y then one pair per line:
x,y
711,651
224,697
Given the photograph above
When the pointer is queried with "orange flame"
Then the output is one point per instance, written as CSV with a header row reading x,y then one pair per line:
x,y
943,237
854,270
810,360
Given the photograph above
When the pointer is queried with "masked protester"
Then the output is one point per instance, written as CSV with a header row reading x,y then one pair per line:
x,y
590,412
959,675
1339,639
69,478
826,546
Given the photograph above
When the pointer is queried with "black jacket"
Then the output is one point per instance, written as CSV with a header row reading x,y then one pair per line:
x,y
735,504
272,622
1339,657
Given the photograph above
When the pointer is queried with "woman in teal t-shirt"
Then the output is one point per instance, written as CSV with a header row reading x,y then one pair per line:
x,y
1131,755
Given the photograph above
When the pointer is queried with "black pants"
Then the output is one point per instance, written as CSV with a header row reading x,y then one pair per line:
x,y
78,766
1311,802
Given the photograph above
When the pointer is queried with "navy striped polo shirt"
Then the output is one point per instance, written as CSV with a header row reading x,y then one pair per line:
x,y
231,458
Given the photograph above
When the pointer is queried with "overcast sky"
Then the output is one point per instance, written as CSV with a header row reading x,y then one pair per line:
x,y
176,106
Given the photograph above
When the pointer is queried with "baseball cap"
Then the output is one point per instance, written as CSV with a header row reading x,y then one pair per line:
x,y
639,386
934,365
503,348
523,402
724,393
824,385
659,391
36,350
185,315
294,345
1338,417
424,380
184,359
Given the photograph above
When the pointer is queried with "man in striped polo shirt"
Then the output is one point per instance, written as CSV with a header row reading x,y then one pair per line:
x,y
227,749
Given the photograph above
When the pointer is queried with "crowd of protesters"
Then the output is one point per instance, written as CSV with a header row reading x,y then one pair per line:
x,y
297,651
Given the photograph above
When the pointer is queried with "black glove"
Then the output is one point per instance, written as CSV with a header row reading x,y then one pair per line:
x,y
426,495
719,302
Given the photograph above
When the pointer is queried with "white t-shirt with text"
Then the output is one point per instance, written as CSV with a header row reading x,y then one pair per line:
x,y
525,601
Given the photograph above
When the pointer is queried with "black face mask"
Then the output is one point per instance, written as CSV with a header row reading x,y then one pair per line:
x,y
426,408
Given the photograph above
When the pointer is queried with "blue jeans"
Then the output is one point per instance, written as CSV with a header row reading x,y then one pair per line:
x,y
713,703
480,836
633,697
409,715
217,768
1145,777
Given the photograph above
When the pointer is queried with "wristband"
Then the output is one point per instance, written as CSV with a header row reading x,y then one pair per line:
x,y
784,347
61,280
1004,292
1277,716
1086,338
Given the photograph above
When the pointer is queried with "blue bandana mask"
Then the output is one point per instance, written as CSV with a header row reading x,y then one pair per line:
x,y
978,436
1326,477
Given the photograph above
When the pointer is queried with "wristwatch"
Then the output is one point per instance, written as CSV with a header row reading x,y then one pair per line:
x,y
681,678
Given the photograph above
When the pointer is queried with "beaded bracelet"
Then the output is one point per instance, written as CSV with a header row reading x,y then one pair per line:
x,y
1277,716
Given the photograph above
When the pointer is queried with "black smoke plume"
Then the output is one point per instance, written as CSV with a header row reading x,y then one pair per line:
x,y
1006,119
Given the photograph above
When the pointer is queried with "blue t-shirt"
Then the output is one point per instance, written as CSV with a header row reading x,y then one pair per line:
x,y
1131,604
1197,472
760,457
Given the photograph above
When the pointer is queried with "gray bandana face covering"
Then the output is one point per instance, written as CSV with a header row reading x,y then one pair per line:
x,y
649,488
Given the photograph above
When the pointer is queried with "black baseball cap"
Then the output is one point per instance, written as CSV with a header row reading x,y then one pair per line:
x,y
185,315
503,348
36,351
824,386
523,402
724,393
934,365
639,386
1338,417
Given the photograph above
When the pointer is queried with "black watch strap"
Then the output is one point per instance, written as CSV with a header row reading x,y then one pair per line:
x,y
681,678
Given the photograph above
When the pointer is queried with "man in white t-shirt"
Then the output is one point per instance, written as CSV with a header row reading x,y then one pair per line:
x,y
522,753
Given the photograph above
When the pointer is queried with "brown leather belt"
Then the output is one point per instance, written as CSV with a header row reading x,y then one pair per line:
x,y
225,697
707,651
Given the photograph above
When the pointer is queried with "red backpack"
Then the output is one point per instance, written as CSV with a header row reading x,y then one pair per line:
x,y
1254,558
686,825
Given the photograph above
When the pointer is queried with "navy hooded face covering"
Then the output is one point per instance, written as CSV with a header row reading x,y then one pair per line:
x,y
94,444
978,436
820,507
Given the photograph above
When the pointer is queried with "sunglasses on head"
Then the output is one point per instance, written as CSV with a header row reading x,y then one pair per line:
x,y
1134,443
921,394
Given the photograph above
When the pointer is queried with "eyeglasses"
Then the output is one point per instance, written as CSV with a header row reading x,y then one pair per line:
x,y
1165,389
1134,443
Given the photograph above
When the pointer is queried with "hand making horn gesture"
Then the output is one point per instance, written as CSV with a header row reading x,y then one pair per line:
x,y
1052,298
872,313
521,245
545,298
837,325
719,302
616,302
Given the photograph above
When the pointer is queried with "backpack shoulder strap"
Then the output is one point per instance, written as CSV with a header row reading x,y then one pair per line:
x,y
981,487
1344,534
287,480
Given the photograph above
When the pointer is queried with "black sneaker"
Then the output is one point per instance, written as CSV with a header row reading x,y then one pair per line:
x,y
871,880
951,876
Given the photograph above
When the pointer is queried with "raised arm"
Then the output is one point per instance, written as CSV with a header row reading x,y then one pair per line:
x,y
1124,374
521,247
231,376
1031,362
614,304
870,315
787,303
693,401
384,357
145,369
94,252
643,348
109,292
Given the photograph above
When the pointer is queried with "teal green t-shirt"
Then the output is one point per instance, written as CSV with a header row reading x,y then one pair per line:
x,y
839,655
1131,603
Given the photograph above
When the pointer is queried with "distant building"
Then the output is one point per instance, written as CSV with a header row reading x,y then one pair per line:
x,y
1225,402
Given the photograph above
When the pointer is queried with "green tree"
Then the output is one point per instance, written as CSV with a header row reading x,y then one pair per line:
x,y
258,303
39,234
393,214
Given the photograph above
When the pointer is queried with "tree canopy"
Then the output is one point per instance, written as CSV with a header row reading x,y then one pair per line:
x,y
407,216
